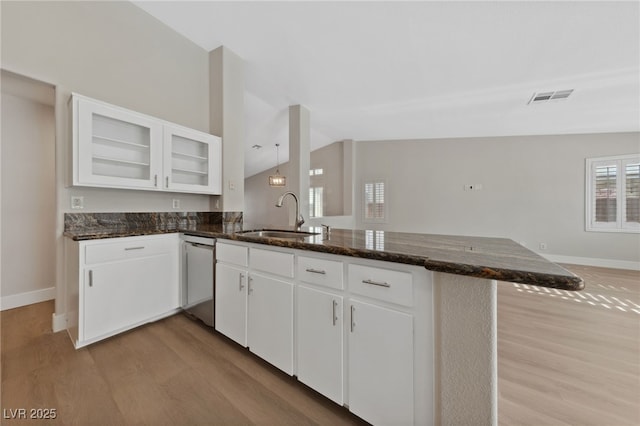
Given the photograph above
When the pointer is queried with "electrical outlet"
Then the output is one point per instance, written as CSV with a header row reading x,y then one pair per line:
x,y
543,246
218,203
77,202
176,203
232,185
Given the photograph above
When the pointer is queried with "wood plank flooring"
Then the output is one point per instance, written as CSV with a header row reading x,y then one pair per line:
x,y
560,362
567,358
172,372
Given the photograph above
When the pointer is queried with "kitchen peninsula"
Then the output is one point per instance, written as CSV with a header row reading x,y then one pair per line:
x,y
457,285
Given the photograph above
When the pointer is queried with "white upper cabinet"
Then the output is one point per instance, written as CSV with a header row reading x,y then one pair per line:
x,y
117,148
192,161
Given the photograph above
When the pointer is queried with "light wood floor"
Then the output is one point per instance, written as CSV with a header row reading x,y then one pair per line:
x,y
560,362
567,358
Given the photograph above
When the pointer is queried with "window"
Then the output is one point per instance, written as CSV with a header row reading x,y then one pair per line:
x,y
374,205
613,194
315,202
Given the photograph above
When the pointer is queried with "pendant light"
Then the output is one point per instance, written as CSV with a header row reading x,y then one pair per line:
x,y
277,179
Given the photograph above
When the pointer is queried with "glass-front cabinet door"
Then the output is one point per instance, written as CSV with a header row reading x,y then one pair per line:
x,y
192,161
115,147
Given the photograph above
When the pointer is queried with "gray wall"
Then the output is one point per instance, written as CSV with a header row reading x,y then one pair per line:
x,y
533,189
28,196
260,198
117,53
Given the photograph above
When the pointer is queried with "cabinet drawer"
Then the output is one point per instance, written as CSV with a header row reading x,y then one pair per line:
x,y
229,253
320,271
274,262
126,249
384,284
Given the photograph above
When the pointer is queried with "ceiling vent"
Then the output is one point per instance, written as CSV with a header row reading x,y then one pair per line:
x,y
549,96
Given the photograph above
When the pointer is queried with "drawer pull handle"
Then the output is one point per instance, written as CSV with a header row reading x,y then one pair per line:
x,y
384,284
134,248
334,306
353,323
316,271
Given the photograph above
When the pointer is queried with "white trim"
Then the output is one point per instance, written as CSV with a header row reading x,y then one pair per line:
x,y
27,298
620,225
593,261
58,322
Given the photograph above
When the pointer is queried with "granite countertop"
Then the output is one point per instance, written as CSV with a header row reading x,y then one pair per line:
x,y
491,258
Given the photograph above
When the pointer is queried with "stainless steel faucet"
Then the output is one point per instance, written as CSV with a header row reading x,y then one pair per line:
x,y
299,218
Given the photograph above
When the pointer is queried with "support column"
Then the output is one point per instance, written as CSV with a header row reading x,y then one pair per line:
x,y
299,156
466,350
226,106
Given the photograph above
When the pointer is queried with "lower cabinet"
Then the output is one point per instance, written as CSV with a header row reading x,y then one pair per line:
x,y
253,308
118,284
362,330
319,342
270,320
381,364
231,302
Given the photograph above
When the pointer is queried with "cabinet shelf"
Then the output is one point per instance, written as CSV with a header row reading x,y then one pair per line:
x,y
108,141
190,172
189,156
117,161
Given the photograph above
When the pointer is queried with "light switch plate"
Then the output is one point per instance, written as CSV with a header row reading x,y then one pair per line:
x,y
175,203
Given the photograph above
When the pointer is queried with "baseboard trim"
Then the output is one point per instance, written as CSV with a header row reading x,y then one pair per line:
x,y
593,261
58,322
27,298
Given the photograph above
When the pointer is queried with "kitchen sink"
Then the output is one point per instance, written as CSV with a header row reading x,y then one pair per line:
x,y
283,234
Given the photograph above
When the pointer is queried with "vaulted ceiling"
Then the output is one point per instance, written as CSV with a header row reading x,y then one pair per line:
x,y
421,70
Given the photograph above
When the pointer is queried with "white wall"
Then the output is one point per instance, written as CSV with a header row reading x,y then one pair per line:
x,y
28,200
260,198
260,201
533,190
117,53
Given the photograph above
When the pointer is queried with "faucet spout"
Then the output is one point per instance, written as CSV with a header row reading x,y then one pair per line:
x,y
299,218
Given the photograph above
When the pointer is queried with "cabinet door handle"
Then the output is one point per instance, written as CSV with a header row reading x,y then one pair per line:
x,y
134,248
334,305
241,277
167,181
90,278
155,181
316,271
250,281
383,284
353,322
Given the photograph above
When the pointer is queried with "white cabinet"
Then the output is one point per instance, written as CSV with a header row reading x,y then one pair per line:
x,y
319,341
192,161
381,364
232,278
114,147
381,344
231,302
270,320
362,331
118,148
254,305
117,284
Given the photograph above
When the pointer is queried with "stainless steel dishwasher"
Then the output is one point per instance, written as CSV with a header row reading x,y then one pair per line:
x,y
198,261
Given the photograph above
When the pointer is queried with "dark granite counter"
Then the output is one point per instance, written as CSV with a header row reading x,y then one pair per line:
x,y
490,258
